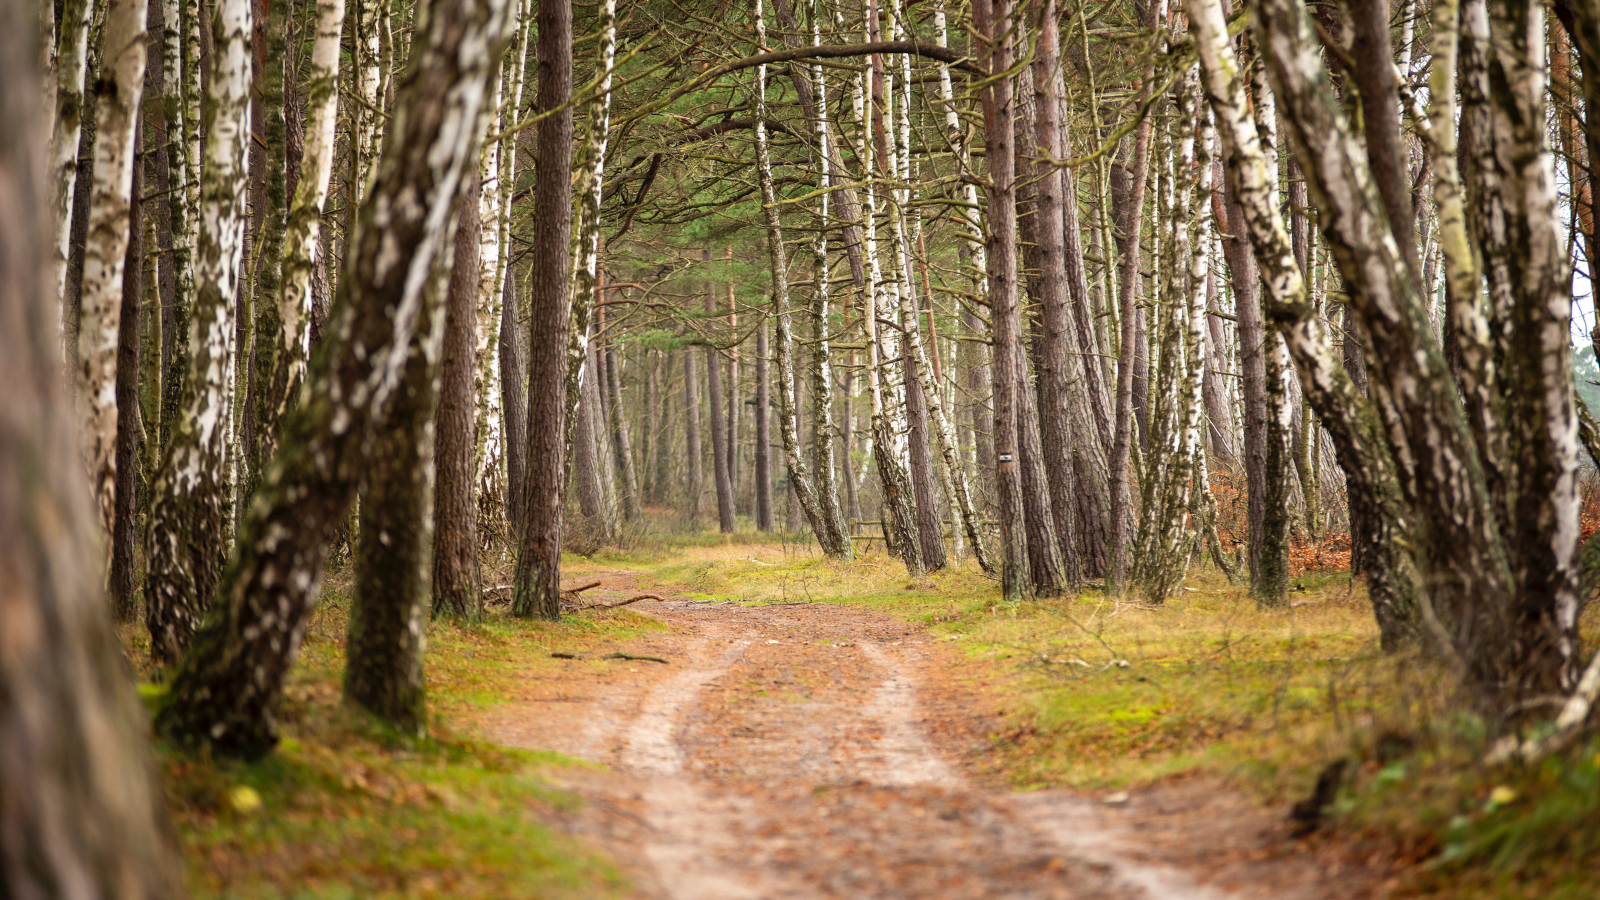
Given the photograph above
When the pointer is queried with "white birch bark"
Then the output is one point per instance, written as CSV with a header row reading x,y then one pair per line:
x,y
72,57
486,362
588,166
106,246
822,383
189,495
303,235
788,420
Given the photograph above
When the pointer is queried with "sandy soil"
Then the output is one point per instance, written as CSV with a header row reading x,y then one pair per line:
x,y
818,751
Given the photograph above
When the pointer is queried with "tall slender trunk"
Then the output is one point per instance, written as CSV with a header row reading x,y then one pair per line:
x,y
189,496
621,446
226,692
270,400
456,588
822,384
1130,213
105,252
124,530
788,422
763,466
992,23
538,576
72,64
302,241
719,437
514,402
695,456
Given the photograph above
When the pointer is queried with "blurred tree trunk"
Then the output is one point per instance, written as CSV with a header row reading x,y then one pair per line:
x,y
81,809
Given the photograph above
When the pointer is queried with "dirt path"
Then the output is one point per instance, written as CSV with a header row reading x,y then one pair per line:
x,y
817,751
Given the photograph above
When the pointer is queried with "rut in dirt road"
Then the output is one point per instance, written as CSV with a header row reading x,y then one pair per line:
x,y
793,752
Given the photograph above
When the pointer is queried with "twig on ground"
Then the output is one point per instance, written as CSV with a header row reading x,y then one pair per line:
x,y
619,602
631,656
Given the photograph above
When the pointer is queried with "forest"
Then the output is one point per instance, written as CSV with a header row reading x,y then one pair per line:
x,y
799,448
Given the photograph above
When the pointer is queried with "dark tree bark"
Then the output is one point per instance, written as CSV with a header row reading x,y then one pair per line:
x,y
719,438
538,578
1061,385
383,671
1246,282
663,433
227,689
648,436
514,404
1375,76
1128,213
163,137
81,811
691,434
456,577
924,482
763,468
621,446
125,524
992,20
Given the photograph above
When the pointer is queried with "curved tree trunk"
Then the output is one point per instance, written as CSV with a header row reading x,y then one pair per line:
x,y
226,692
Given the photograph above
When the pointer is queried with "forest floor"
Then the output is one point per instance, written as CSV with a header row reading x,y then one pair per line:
x,y
794,728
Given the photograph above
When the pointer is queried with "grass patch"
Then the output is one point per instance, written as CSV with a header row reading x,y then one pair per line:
x,y
344,808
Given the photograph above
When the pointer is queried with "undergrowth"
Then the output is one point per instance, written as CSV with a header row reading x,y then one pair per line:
x,y
345,808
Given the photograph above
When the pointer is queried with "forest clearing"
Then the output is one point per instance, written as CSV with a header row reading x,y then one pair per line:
x,y
799,448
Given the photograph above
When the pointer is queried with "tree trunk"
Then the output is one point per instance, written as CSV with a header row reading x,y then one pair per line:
x,y
383,671
125,528
695,457
105,252
538,576
788,422
992,22
514,403
303,230
275,308
226,692
83,811
456,577
719,436
763,468
189,496
1062,388
1129,215
621,446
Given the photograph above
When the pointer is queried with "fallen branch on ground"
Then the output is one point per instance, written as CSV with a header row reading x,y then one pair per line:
x,y
631,656
616,604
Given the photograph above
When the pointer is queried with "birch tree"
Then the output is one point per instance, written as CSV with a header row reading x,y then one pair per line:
x,y
226,691
189,496
71,67
116,114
